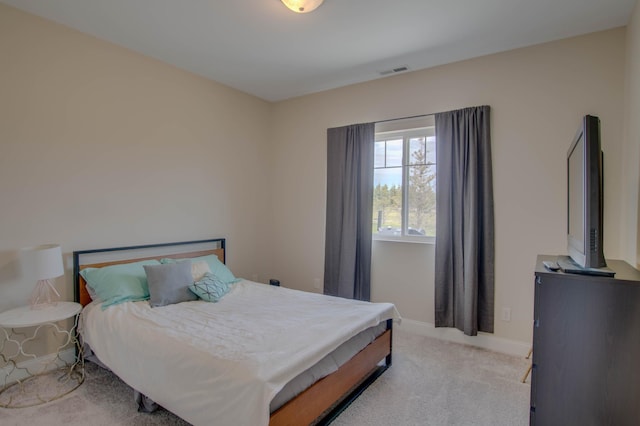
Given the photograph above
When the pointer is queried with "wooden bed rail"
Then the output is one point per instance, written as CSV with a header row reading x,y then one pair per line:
x,y
327,394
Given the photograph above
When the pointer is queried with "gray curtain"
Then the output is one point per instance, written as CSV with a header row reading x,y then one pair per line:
x,y
464,274
347,261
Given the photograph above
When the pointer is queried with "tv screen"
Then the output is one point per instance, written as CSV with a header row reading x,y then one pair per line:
x,y
585,196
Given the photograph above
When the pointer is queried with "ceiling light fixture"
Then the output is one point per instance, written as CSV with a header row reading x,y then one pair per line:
x,y
302,6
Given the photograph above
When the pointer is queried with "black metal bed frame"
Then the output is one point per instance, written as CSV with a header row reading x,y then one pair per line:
x,y
77,254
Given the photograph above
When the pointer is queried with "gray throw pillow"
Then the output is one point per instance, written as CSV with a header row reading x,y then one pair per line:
x,y
169,283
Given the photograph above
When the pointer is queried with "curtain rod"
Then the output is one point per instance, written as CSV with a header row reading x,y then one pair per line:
x,y
423,115
403,118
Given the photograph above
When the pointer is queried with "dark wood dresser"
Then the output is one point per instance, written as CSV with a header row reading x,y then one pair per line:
x,y
586,348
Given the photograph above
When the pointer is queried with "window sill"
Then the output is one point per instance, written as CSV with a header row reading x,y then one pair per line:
x,y
410,240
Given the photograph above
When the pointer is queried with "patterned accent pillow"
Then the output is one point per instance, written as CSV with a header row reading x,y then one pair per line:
x,y
210,288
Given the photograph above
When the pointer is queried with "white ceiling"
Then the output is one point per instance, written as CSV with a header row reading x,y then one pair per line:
x,y
262,48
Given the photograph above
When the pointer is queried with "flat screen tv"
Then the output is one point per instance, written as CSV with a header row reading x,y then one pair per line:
x,y
585,196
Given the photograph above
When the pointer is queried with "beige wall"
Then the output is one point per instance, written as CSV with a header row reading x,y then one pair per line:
x,y
630,223
537,95
102,147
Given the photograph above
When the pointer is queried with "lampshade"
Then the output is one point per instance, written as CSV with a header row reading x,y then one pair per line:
x,y
45,262
302,6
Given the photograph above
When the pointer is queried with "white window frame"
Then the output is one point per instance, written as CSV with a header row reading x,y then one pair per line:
x,y
406,136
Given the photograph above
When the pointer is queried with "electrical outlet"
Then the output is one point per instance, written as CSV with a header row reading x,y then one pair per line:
x,y
506,314
317,284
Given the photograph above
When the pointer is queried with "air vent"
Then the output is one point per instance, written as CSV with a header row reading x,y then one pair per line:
x,y
396,70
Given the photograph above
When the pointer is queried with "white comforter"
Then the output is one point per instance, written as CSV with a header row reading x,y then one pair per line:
x,y
222,363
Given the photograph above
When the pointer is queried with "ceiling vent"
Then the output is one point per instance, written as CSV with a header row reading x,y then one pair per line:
x,y
396,70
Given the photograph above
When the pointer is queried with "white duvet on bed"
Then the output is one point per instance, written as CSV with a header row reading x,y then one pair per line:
x,y
222,363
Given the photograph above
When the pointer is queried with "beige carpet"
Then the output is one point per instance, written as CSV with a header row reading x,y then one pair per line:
x,y
437,383
431,382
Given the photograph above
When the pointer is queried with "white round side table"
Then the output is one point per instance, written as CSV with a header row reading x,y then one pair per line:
x,y
30,379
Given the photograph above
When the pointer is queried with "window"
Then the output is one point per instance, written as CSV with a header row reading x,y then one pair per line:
x,y
404,187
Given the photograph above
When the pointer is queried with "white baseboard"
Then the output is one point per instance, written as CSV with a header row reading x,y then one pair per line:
x,y
35,366
482,340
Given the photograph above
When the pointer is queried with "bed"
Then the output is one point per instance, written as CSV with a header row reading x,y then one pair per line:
x,y
260,355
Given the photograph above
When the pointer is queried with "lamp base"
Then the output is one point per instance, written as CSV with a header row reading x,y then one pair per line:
x,y
45,294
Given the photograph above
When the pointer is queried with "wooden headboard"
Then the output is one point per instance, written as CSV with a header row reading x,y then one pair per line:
x,y
104,257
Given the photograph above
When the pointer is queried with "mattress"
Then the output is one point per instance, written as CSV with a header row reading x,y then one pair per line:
x,y
326,365
205,361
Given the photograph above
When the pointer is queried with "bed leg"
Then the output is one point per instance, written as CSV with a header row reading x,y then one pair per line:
x,y
388,358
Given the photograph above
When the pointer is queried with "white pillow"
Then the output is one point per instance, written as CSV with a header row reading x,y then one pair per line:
x,y
198,269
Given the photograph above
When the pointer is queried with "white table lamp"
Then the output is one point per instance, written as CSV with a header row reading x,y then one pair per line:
x,y
46,262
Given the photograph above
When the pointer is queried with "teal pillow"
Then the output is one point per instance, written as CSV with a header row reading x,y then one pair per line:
x,y
119,283
210,288
217,268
